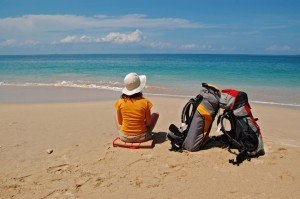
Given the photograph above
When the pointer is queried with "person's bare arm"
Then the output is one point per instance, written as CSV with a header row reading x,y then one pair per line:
x,y
118,119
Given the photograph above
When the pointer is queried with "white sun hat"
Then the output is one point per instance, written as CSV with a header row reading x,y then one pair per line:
x,y
134,83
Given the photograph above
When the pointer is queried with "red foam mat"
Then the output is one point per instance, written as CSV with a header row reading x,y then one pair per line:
x,y
117,142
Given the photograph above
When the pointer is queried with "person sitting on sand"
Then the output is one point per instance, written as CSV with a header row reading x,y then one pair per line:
x,y
133,112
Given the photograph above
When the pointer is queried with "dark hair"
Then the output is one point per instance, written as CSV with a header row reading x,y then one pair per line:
x,y
136,95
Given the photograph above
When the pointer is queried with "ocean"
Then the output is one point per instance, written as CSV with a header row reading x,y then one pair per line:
x,y
267,79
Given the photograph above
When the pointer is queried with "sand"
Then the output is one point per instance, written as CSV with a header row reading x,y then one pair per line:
x,y
84,164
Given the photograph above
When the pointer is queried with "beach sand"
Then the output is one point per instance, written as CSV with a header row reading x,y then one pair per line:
x,y
84,164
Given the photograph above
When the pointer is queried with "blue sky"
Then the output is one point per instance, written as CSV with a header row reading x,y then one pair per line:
x,y
150,26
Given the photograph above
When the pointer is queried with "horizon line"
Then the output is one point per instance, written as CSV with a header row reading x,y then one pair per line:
x,y
45,54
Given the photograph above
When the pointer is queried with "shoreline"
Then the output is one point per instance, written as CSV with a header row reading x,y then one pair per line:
x,y
10,94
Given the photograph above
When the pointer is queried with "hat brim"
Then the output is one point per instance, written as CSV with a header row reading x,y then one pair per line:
x,y
138,89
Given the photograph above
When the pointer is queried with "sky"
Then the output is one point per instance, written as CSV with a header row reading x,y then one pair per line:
x,y
150,26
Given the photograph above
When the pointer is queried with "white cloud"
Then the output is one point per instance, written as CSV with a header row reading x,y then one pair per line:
x,y
8,42
88,39
121,38
49,28
41,23
42,29
113,37
13,42
279,48
69,39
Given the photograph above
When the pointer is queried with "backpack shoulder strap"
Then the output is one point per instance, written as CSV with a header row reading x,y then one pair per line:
x,y
186,115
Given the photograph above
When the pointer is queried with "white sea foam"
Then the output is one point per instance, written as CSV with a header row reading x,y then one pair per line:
x,y
275,103
70,84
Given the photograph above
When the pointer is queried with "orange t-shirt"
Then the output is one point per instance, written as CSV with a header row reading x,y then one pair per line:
x,y
135,115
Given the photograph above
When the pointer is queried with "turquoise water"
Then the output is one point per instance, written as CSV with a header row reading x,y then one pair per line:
x,y
266,79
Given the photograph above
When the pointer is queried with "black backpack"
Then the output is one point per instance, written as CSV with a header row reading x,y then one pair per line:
x,y
244,133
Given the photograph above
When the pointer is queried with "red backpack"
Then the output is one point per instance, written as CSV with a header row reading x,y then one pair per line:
x,y
245,134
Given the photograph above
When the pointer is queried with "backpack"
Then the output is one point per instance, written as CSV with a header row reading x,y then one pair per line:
x,y
196,120
244,133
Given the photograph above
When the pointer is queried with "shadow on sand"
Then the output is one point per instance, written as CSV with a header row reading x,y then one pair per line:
x,y
159,137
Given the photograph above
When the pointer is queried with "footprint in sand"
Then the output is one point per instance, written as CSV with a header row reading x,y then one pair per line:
x,y
81,183
136,182
99,181
21,179
102,182
281,149
13,189
279,153
59,169
147,181
287,177
59,193
13,186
